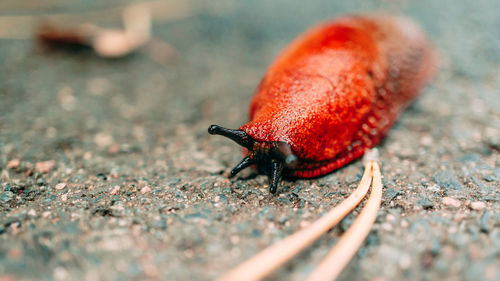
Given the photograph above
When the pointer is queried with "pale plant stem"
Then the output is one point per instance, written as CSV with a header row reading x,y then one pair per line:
x,y
351,241
269,259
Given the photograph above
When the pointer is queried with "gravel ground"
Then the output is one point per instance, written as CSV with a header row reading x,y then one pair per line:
x,y
108,173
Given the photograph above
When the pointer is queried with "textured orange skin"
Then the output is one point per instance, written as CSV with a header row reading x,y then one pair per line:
x,y
336,90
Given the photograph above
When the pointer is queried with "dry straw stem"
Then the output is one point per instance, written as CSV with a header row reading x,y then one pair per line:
x,y
349,243
276,255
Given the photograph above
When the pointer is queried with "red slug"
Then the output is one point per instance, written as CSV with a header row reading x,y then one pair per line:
x,y
333,93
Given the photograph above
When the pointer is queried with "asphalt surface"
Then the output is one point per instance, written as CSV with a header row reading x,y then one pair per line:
x,y
108,173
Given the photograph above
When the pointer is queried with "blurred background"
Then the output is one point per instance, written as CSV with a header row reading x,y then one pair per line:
x,y
107,172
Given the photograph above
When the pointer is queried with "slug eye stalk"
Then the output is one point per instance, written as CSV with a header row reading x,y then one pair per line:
x,y
271,158
238,136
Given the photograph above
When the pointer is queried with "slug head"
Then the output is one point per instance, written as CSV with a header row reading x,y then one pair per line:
x,y
270,158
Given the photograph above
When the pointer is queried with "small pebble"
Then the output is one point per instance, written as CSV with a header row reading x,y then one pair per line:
x,y
45,166
433,187
114,148
235,239
6,196
15,163
103,139
447,180
489,178
484,221
478,205
425,203
5,175
87,155
387,226
390,194
404,261
145,189
60,273
448,201
404,223
115,190
60,186
390,217
426,141
66,98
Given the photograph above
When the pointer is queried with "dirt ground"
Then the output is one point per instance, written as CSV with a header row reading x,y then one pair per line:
x,y
117,178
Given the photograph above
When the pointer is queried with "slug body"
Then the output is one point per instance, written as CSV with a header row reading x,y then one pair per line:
x,y
333,93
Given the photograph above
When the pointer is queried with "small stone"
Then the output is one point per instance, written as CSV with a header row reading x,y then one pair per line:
x,y
235,239
115,190
404,261
390,194
425,203
478,205
60,273
51,132
5,175
32,212
387,227
426,141
114,148
484,221
433,187
448,201
446,180
489,178
45,166
60,186
145,189
14,227
87,155
6,196
471,157
66,98
404,223
390,217
256,233
103,139
15,163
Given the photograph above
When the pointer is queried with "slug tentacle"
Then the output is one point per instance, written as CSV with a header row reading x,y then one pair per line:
x,y
275,177
238,136
270,158
245,162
